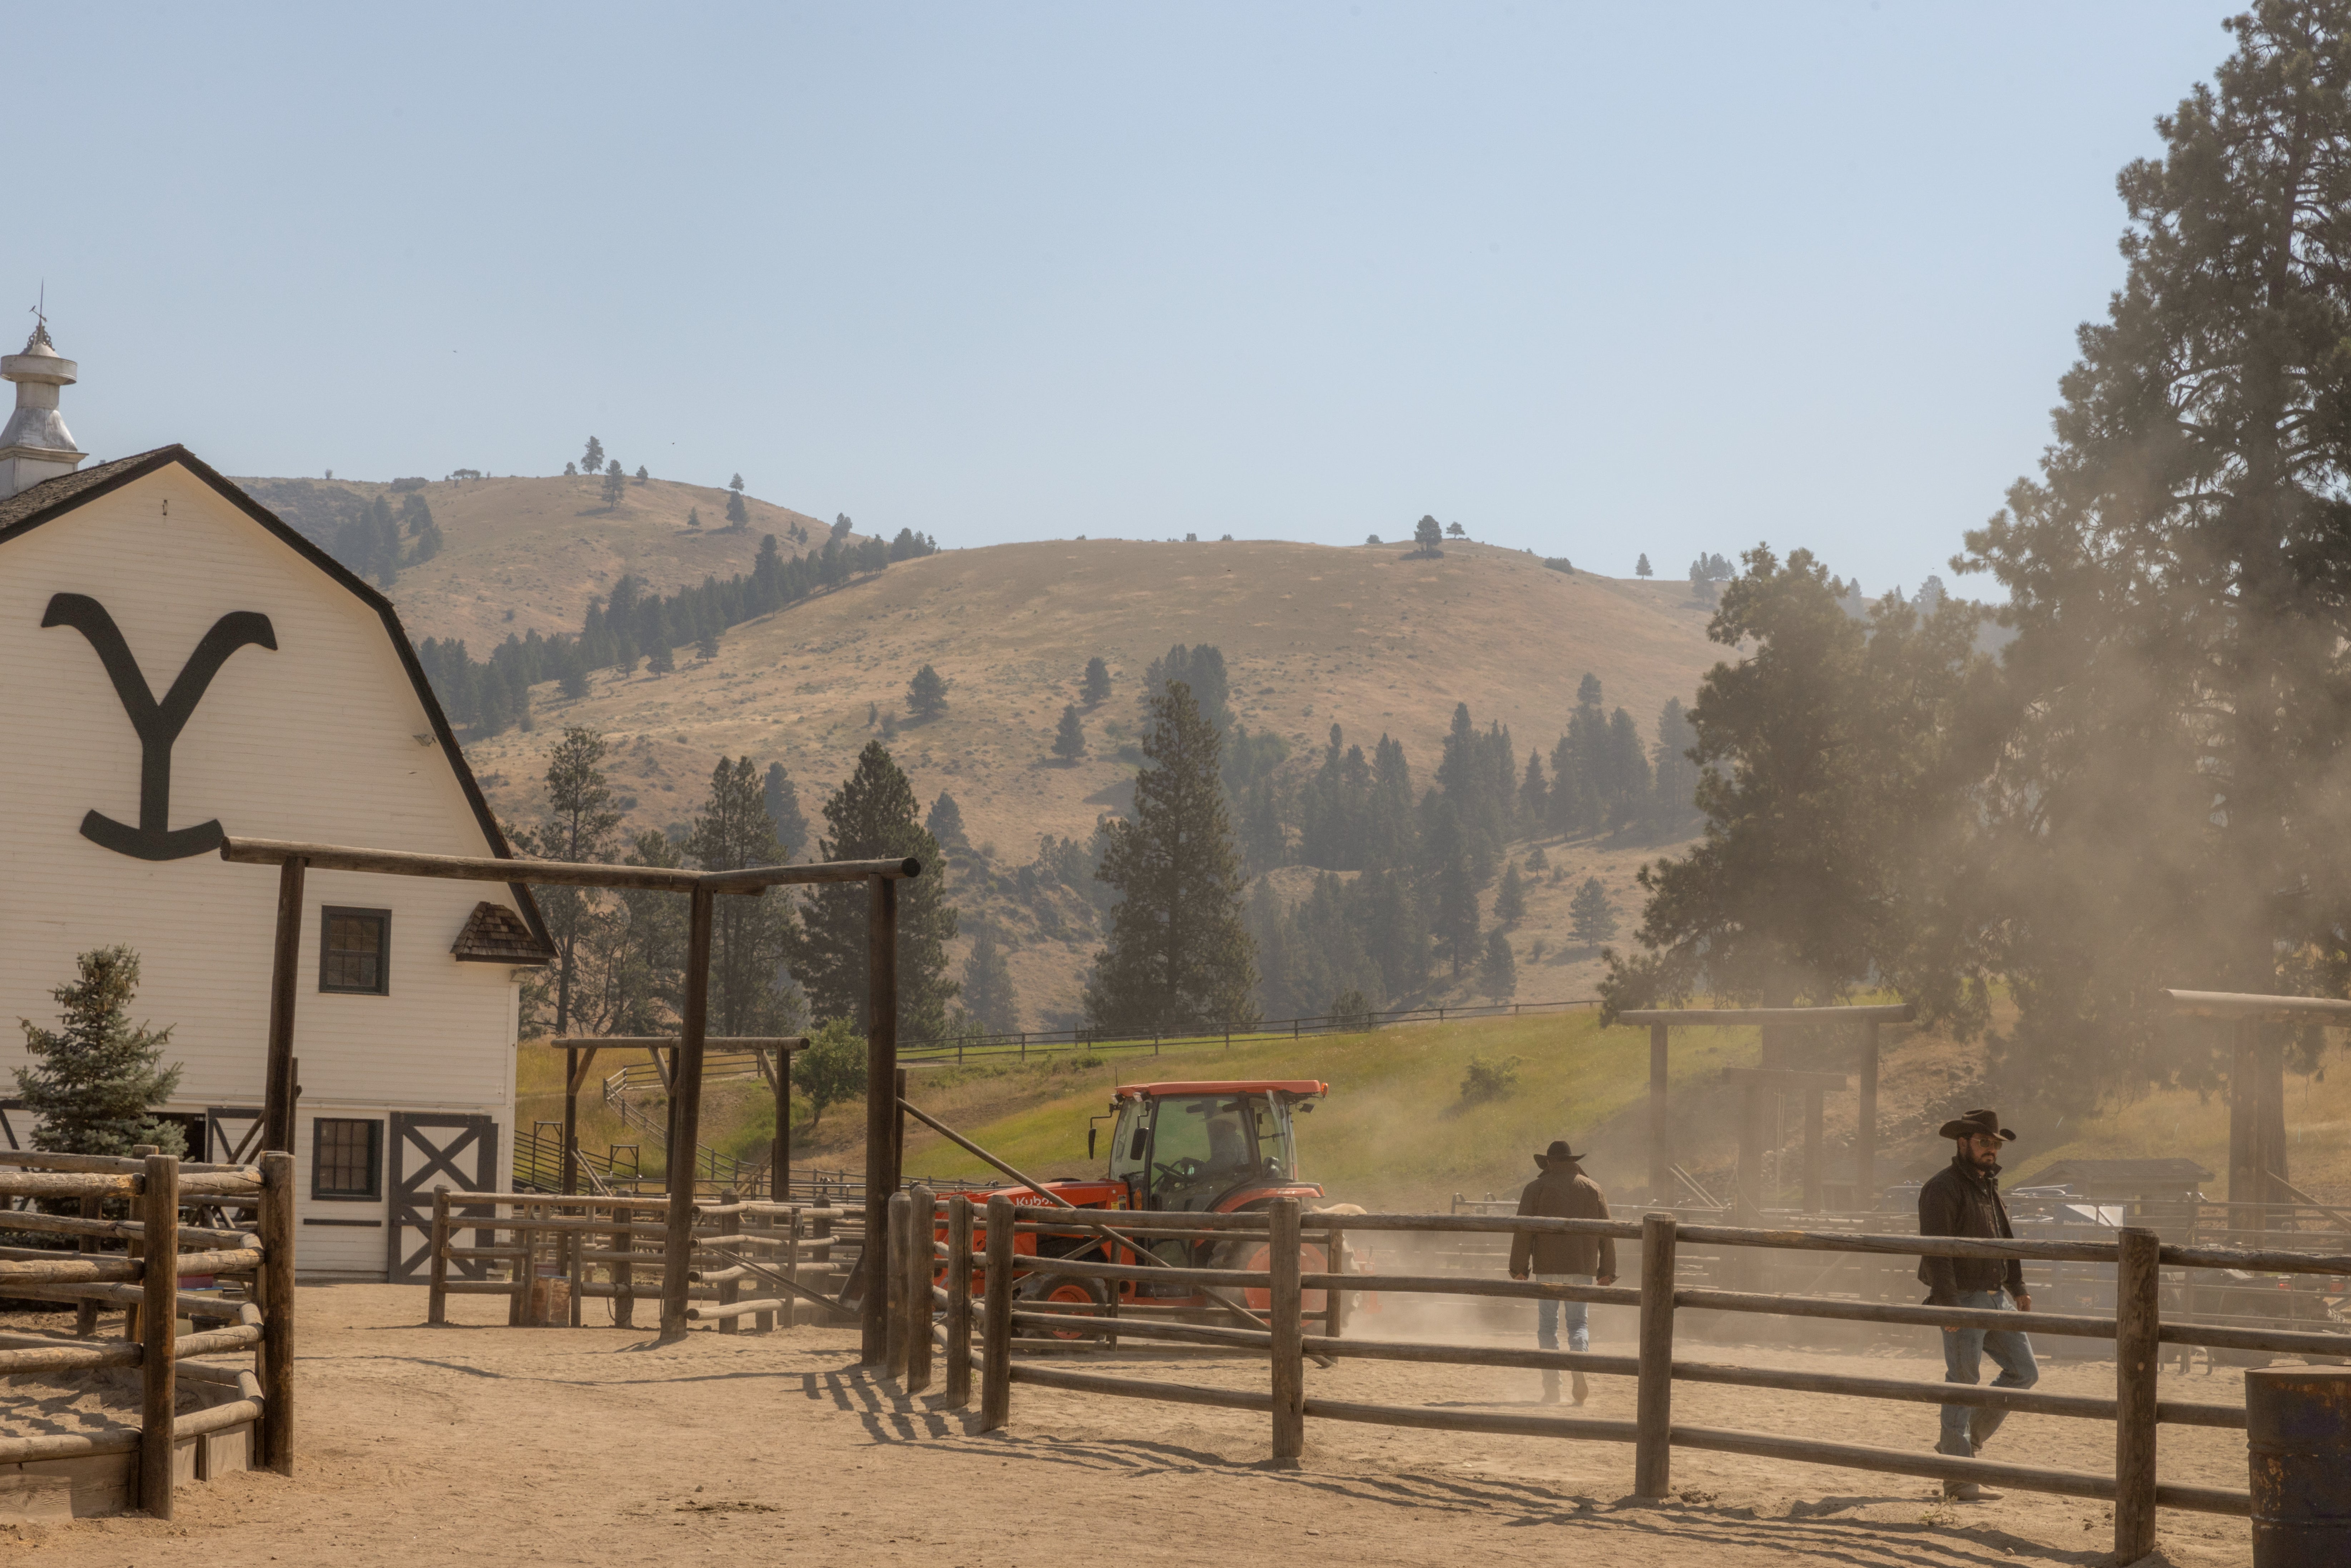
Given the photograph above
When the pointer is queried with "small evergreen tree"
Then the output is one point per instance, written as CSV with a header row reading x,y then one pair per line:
x,y
1070,739
873,817
570,470
663,659
90,1083
782,801
1096,687
1498,972
707,645
736,485
748,937
1457,531
926,693
578,828
614,481
694,518
1179,954
1592,915
1510,901
831,1070
1428,536
594,462
945,823
737,515
1641,568
642,476
987,985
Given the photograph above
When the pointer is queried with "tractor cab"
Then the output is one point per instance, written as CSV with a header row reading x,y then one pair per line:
x,y
1209,1147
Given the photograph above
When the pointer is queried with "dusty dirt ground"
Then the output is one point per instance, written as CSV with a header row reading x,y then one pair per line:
x,y
425,1445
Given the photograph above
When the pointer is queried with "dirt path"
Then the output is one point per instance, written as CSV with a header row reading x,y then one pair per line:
x,y
424,1446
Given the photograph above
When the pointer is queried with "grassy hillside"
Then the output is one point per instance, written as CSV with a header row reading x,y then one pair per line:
x,y
1363,636
527,555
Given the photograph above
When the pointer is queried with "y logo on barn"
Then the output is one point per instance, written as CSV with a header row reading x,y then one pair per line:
x,y
157,723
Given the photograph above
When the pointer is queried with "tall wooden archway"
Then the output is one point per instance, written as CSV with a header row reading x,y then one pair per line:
x,y
2257,1144
703,889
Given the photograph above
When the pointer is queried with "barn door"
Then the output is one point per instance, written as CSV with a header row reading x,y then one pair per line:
x,y
232,1135
429,1151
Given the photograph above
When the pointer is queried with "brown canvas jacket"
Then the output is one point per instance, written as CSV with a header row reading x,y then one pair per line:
x,y
1958,1200
1563,1192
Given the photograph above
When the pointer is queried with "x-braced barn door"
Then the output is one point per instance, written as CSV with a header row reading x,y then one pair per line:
x,y
231,1133
429,1151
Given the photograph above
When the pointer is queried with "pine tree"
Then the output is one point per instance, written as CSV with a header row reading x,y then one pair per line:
x,y
737,515
593,462
988,984
782,801
873,816
90,1085
1453,882
1676,775
736,485
642,954
578,827
642,476
1179,955
663,659
1591,915
614,483
749,938
1070,739
1627,770
1510,901
1455,530
926,693
707,645
1430,536
694,518
1534,795
1641,568
1096,687
1201,668
944,823
1497,970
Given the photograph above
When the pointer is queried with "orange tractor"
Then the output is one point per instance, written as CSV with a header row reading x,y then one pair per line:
x,y
1214,1147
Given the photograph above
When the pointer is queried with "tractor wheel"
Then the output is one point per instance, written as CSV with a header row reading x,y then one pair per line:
x,y
1067,1292
1251,1255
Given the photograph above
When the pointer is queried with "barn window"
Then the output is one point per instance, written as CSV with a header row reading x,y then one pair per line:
x,y
355,951
346,1158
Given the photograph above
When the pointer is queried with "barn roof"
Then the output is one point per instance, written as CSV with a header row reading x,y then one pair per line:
x,y
54,497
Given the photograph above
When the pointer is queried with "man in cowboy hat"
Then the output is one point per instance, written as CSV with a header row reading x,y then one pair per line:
x,y
1562,1191
1963,1199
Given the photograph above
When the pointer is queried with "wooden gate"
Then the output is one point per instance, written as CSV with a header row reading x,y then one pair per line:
x,y
232,1135
428,1151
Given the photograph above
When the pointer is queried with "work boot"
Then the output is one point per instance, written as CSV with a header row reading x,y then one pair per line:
x,y
1550,1387
1579,1388
1962,1492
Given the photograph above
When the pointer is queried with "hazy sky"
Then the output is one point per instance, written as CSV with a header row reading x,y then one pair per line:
x,y
1591,280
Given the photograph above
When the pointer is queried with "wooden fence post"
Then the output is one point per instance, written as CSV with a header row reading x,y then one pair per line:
x,y
86,1313
792,1268
1334,1306
922,1227
1289,1332
2137,1319
728,1291
159,1213
278,1315
1653,1453
996,1326
436,1300
685,1114
958,1302
764,1322
887,1276
1661,1134
624,1274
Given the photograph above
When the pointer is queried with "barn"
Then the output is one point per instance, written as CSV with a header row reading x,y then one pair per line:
x,y
181,664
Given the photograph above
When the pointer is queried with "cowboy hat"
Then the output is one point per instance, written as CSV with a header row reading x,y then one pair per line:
x,y
1558,1151
1974,1122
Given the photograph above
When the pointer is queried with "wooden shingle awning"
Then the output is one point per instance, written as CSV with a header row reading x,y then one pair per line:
x,y
496,934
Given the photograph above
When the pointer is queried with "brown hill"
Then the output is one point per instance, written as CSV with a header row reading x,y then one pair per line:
x,y
1366,637
527,555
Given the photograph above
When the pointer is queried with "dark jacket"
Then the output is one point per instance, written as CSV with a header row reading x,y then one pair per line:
x,y
1564,1192
1961,1201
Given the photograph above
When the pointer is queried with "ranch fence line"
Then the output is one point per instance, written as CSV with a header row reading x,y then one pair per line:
x,y
545,1253
1019,1044
146,1277
946,1280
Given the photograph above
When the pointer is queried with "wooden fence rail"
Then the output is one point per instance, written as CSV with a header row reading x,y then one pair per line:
x,y
2138,1329
148,1286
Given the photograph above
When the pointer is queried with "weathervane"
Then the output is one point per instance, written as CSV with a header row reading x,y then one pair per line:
x,y
41,316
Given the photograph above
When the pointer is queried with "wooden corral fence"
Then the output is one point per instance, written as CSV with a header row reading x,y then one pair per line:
x,y
537,1250
145,1280
2138,1330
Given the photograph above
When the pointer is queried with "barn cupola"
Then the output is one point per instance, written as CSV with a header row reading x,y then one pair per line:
x,y
36,445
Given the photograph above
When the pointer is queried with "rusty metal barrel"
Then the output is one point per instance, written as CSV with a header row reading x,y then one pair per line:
x,y
2298,1446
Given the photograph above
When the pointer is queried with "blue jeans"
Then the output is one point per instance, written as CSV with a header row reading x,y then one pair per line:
x,y
1966,1428
1578,1315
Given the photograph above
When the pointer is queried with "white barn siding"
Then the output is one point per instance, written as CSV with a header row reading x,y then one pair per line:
x,y
315,740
